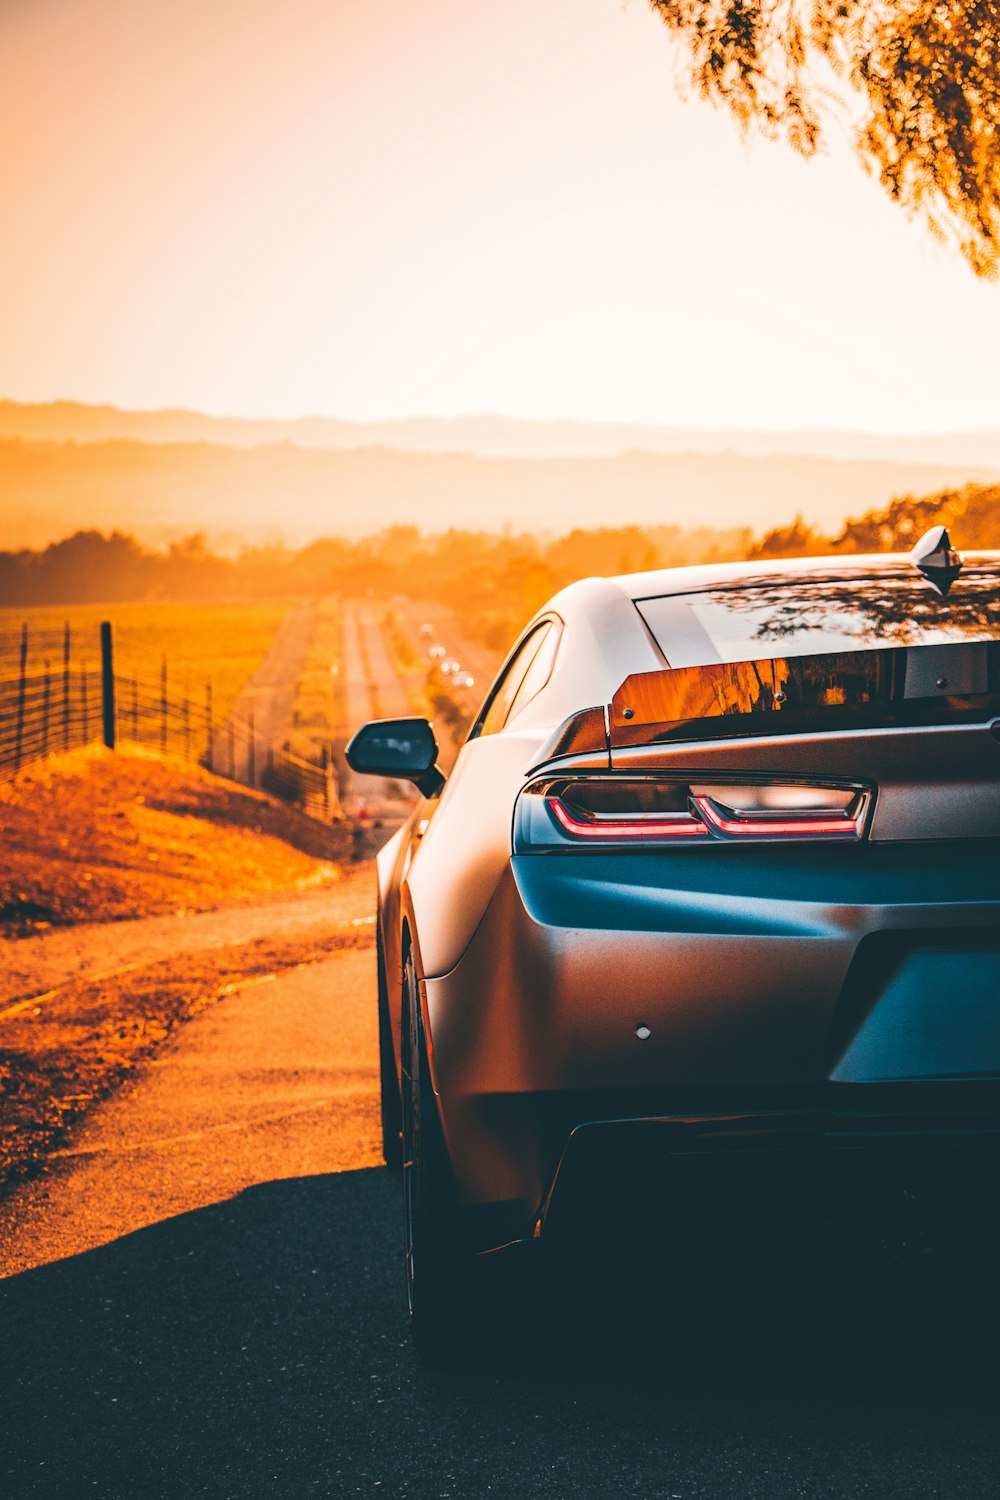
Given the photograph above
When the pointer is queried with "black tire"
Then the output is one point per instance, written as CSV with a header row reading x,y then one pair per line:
x,y
392,1114
440,1268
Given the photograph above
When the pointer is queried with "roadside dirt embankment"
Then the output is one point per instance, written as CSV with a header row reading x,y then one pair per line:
x,y
134,892
99,836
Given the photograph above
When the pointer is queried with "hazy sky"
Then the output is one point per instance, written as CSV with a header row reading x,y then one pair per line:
x,y
275,207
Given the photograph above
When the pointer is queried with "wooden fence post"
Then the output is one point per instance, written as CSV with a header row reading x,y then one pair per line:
x,y
22,684
45,710
84,706
251,752
65,705
109,716
163,706
210,755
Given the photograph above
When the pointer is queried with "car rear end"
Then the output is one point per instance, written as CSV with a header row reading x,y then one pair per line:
x,y
750,932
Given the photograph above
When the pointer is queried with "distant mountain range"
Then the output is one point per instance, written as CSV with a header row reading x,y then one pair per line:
x,y
162,475
485,435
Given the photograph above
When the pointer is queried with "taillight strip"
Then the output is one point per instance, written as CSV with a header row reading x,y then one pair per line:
x,y
829,827
708,818
615,828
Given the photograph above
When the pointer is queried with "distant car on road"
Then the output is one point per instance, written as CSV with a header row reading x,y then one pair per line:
x,y
710,901
437,650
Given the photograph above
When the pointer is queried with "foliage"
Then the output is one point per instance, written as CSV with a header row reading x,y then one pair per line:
x,y
318,709
972,515
924,72
796,540
493,582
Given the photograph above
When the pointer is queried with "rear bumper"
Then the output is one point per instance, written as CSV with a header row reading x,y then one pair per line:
x,y
854,1157
731,1175
808,989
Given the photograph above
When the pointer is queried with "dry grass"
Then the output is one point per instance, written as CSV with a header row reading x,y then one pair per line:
x,y
222,642
100,836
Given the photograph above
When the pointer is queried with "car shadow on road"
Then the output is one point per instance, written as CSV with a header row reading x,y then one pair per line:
x,y
259,1347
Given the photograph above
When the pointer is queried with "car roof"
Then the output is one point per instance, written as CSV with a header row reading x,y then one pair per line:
x,y
608,639
662,582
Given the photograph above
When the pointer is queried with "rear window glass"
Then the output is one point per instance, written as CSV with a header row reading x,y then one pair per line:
x,y
813,617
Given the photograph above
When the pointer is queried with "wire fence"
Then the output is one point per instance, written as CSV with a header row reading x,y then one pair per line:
x,y
53,698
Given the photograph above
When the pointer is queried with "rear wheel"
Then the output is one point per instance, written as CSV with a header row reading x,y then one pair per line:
x,y
440,1268
392,1117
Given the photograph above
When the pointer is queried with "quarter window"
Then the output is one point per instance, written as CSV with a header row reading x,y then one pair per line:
x,y
538,673
507,690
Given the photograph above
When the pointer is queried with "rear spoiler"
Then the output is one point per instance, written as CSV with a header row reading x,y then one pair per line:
x,y
901,686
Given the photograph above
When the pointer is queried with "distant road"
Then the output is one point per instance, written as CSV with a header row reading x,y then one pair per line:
x,y
372,690
267,701
393,700
475,660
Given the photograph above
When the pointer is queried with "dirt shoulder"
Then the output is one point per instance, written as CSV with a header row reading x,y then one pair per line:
x,y
204,888
278,1079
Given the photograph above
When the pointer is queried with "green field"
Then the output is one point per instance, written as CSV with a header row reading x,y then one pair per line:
x,y
221,643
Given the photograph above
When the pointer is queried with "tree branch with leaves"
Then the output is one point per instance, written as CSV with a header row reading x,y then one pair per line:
x,y
925,74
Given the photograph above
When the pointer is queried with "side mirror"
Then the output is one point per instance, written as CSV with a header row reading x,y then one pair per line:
x,y
403,748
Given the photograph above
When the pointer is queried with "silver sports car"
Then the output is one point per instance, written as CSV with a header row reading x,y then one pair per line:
x,y
712,890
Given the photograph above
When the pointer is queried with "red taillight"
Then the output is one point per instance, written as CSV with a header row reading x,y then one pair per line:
x,y
640,827
636,810
836,823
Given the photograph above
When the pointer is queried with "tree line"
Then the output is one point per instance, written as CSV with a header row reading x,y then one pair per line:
x,y
496,580
971,513
493,578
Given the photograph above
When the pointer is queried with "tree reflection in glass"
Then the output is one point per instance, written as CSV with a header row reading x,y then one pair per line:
x,y
847,615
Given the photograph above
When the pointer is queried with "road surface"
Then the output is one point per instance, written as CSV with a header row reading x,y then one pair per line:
x,y
206,1300
263,1085
261,718
475,659
372,690
60,955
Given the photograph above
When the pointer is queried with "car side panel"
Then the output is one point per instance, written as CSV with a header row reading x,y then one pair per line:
x,y
461,857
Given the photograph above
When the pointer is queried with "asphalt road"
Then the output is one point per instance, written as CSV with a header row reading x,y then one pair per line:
x,y
372,691
60,955
257,1347
267,699
216,1309
475,659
